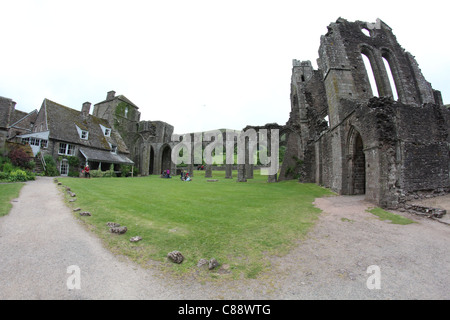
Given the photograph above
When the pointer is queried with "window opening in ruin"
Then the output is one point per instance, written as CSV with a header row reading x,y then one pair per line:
x,y
303,78
391,79
366,32
327,119
152,161
370,74
359,167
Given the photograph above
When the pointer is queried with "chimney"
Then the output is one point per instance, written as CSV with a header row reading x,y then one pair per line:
x,y
86,109
110,95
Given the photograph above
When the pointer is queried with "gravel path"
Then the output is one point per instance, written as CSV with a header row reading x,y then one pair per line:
x,y
40,239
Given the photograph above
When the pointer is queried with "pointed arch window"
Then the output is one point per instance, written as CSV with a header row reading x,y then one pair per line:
x,y
370,74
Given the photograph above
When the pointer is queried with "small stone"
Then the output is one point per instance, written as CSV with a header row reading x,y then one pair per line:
x,y
119,230
212,180
72,200
213,264
202,262
136,239
77,209
59,183
175,256
85,214
112,224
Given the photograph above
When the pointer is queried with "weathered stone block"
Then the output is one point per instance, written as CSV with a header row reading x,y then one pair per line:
x,y
118,230
175,256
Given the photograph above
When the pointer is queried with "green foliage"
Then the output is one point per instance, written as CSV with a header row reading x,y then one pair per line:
x,y
281,153
11,173
103,174
50,166
125,170
18,175
7,167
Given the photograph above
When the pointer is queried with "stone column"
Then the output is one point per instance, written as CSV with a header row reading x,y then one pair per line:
x,y
228,171
272,178
249,171
208,172
241,173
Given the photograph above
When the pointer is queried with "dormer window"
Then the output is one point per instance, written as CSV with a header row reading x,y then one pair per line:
x,y
84,134
106,131
113,148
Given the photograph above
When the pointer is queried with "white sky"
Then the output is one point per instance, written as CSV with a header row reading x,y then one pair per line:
x,y
198,65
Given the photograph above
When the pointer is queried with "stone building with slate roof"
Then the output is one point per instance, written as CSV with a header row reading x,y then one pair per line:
x,y
14,122
112,134
62,132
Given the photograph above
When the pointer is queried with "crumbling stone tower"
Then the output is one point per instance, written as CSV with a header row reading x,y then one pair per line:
x,y
388,142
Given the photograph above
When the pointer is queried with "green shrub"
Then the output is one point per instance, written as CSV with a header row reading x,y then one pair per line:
x,y
7,167
125,170
96,173
30,175
50,166
17,175
4,176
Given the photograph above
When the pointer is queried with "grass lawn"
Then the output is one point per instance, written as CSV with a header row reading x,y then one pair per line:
x,y
385,215
239,224
8,191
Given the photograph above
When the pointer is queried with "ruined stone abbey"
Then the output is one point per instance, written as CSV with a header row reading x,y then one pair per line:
x,y
389,141
388,145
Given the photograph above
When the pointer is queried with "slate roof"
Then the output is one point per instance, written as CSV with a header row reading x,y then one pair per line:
x,y
62,122
122,98
104,156
23,120
10,117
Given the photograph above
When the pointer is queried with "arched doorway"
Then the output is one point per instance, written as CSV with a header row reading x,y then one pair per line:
x,y
357,163
166,158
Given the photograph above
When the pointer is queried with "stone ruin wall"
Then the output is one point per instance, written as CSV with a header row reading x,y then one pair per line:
x,y
400,148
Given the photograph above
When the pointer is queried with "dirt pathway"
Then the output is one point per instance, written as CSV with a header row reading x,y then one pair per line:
x,y
40,239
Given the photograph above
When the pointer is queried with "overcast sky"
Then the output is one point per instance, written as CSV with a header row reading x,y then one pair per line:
x,y
198,65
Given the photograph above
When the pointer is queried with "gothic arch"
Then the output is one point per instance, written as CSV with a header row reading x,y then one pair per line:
x,y
166,157
356,163
395,71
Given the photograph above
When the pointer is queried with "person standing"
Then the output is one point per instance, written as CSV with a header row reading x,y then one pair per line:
x,y
86,172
